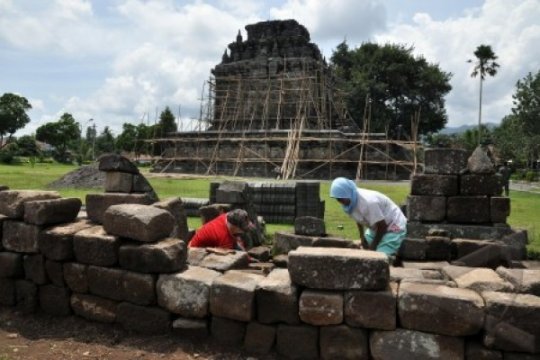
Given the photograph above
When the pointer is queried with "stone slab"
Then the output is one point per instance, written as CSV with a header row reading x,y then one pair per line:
x,y
7,292
260,338
309,225
480,184
143,319
445,161
343,342
499,208
94,246
426,208
398,274
165,256
115,162
476,351
412,249
26,295
468,209
218,260
434,185
285,242
55,300
20,237
53,211
232,192
477,279
227,332
524,280
97,204
335,242
196,329
438,248
321,308
76,277
372,309
105,282
261,253
425,265
94,308
11,265
297,341
55,272
34,269
175,207
56,243
138,288
116,181
417,229
12,201
342,268
277,299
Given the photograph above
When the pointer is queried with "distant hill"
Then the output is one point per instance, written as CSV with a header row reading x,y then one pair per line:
x,y
463,128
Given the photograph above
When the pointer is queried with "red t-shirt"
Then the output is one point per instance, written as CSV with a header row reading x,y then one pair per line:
x,y
214,234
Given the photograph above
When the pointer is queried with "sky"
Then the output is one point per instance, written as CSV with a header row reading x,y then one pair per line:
x,y
109,62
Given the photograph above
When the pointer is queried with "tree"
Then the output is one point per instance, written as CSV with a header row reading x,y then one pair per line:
x,y
62,134
167,122
485,65
132,138
12,115
527,102
27,146
395,86
105,142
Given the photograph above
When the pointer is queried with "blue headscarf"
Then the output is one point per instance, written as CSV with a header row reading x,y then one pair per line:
x,y
343,188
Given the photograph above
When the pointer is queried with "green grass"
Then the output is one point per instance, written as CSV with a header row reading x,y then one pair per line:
x,y
525,206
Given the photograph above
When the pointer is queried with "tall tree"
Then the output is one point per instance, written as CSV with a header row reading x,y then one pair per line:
x,y
12,115
485,65
105,142
63,134
167,122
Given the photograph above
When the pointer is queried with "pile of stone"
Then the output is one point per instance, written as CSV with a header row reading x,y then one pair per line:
x,y
456,208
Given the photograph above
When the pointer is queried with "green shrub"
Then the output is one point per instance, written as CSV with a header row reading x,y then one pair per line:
x,y
530,176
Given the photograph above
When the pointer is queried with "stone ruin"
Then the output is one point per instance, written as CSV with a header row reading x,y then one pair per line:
x,y
130,266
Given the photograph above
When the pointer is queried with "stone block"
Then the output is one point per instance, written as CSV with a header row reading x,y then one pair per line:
x,y
476,351
372,309
309,226
227,332
97,204
524,280
76,277
468,209
334,242
434,185
445,161
94,308
56,243
186,293
433,274
425,265
259,338
232,192
138,288
343,342
20,237
297,341
176,208
480,161
141,185
210,212
55,300
480,184
2,219
398,274
438,248
412,249
440,309
499,209
530,264
138,222
34,269
49,212
165,256
94,246
342,269
143,319
115,162
232,295
4,187
426,208
12,201
285,242
26,295
116,181
281,261
105,282
218,260
261,253
7,292
417,229
519,356
194,328
512,322
11,265
516,241
55,272
321,308
477,279
277,299
409,344
464,247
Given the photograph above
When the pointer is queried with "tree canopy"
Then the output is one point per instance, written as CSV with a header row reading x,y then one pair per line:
x,y
12,114
61,134
396,85
167,122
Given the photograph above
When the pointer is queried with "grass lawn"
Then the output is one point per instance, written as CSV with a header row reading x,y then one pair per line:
x,y
525,206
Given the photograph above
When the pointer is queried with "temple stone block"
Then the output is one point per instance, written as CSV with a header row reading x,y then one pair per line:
x,y
477,279
115,162
310,226
138,222
345,269
297,341
480,184
11,265
468,209
343,342
233,295
219,260
260,338
55,272
372,309
440,309
26,296
56,243
321,308
12,201
445,161
232,192
48,212
176,208
277,299
143,319
106,282
398,274
434,185
97,204
76,277
523,280
227,331
413,249
20,237
94,308
500,209
7,292
425,265
476,351
34,269
426,208
438,248
165,256
195,328
285,242
138,288
417,229
94,246
186,293
55,300
116,181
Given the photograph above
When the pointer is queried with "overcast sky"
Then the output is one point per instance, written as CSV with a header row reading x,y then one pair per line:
x,y
118,61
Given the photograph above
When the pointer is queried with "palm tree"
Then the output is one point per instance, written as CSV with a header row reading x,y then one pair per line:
x,y
485,65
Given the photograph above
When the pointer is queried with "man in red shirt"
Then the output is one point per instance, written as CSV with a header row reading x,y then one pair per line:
x,y
224,231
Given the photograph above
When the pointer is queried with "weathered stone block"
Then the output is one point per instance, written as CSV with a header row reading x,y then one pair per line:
x,y
259,338
141,185
138,288
434,185
482,232
221,261
176,208
138,222
512,322
143,319
413,249
56,243
20,237
7,292
480,184
425,265
277,299
398,274
519,356
321,308
233,295
48,212
26,294
95,247
94,308
34,269
342,269
116,181
343,342
516,241
97,204
468,209
309,225
210,212
232,192
438,248
165,256
445,161
409,344
480,161
76,277
195,328
105,282
477,279
334,242
54,300
186,293
297,341
12,201
523,280
55,272
227,331
285,242
261,253
11,265
500,209
440,309
372,309
115,162
426,208
476,351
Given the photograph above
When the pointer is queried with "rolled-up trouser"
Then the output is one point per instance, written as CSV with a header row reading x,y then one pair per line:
x,y
390,242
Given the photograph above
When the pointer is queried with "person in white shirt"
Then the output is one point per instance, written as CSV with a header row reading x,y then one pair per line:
x,y
386,226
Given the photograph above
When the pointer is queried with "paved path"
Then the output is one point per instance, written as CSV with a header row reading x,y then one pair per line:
x,y
525,186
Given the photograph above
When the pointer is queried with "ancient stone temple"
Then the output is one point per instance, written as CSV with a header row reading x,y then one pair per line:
x,y
273,110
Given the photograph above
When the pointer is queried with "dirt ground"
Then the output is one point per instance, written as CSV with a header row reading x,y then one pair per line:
x,y
43,337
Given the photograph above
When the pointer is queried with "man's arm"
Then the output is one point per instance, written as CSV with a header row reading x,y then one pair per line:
x,y
381,229
365,244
